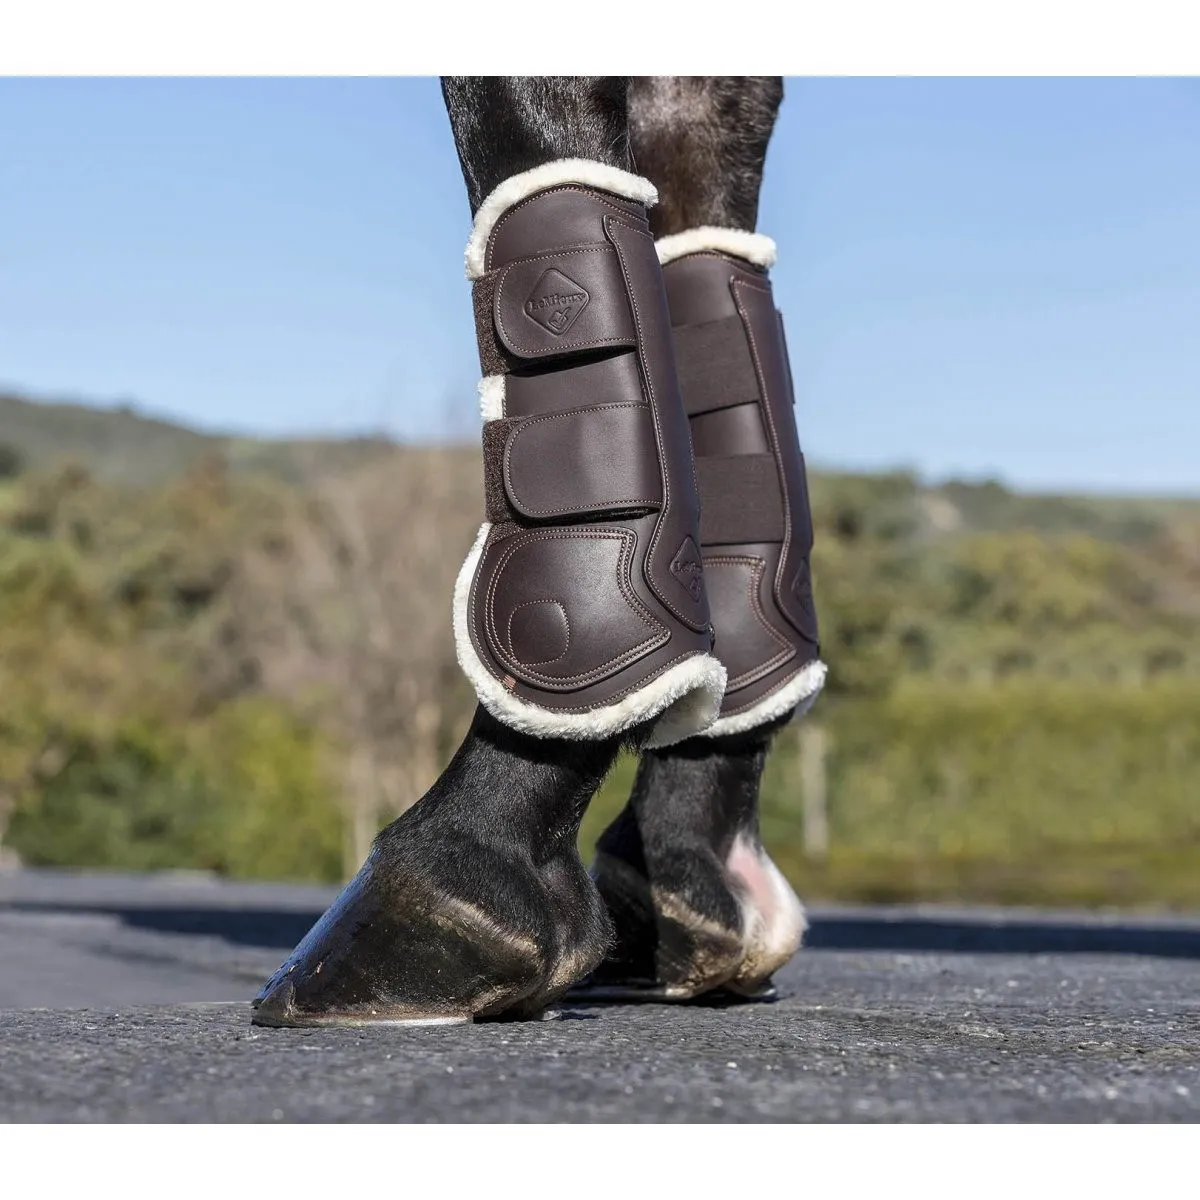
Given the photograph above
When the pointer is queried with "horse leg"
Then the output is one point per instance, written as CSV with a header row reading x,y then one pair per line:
x,y
696,902
474,902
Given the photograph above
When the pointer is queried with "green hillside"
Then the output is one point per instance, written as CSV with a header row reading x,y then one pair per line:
x,y
122,445
236,656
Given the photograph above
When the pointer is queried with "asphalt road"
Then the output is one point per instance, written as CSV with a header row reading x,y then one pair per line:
x,y
125,999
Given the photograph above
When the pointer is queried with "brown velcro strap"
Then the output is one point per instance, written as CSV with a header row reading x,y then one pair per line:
x,y
716,369
571,464
495,499
740,499
493,359
565,303
613,379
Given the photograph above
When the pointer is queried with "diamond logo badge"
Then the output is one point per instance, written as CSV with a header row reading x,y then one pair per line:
x,y
556,302
687,568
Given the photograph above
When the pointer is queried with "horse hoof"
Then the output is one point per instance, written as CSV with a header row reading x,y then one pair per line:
x,y
425,937
704,930
396,948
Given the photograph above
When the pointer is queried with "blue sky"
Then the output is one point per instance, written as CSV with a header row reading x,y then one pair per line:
x,y
980,277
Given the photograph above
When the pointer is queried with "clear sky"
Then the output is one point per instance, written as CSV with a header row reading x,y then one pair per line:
x,y
980,277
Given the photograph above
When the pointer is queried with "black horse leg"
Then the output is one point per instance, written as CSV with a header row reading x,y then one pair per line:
x,y
474,902
696,902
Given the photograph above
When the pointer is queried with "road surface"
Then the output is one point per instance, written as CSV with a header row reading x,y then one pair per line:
x,y
126,999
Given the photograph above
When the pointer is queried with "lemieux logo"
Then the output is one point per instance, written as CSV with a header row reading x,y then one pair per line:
x,y
687,568
556,302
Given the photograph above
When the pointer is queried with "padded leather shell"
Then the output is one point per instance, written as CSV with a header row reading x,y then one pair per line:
x,y
756,523
590,583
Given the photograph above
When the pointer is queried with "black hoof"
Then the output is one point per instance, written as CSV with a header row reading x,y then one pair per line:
x,y
396,948
669,944
723,928
698,907
471,905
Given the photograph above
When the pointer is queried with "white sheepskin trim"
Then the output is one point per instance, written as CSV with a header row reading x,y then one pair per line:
x,y
755,248
491,397
516,188
696,689
686,697
799,693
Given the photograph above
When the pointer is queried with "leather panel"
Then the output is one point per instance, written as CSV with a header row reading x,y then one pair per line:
x,y
562,303
582,571
581,461
559,218
764,328
698,287
740,636
612,380
681,505
736,430
747,643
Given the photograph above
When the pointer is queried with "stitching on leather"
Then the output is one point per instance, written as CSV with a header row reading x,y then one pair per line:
x,y
485,652
631,600
562,187
520,348
598,506
757,568
736,285
649,384
749,704
633,687
566,622
732,259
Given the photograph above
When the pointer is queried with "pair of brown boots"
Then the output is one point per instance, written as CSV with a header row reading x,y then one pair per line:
x,y
646,552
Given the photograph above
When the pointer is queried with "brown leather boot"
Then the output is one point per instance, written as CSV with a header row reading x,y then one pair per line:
x,y
755,526
581,611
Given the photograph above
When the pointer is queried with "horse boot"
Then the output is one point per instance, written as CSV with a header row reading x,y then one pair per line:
x,y
697,903
581,611
580,616
756,523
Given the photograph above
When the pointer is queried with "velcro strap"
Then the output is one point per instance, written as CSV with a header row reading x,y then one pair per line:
x,y
574,463
613,379
493,359
716,369
740,499
565,303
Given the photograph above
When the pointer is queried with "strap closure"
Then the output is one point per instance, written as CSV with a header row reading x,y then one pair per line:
x,y
716,369
740,499
576,463
565,302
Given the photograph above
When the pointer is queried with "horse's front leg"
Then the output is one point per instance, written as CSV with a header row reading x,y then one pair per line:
x,y
580,615
697,903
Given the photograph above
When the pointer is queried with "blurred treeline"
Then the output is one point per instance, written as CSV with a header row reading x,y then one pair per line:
x,y
236,656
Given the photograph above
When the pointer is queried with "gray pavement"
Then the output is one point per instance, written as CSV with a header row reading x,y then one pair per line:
x,y
125,999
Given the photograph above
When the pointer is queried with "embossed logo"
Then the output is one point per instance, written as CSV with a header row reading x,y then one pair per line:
x,y
556,302
688,569
802,581
806,619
